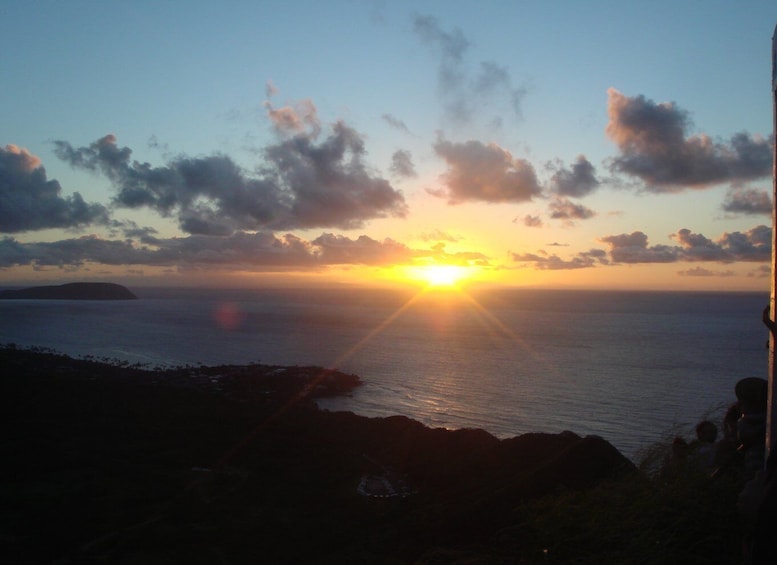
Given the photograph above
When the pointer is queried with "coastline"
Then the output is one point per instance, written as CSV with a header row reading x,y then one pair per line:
x,y
236,463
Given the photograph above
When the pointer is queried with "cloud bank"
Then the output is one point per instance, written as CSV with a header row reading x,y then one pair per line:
x,y
304,183
633,248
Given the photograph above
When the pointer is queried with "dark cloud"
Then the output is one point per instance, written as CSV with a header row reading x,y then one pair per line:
x,y
753,245
303,184
654,147
29,201
564,209
260,249
633,248
576,182
748,201
462,91
402,164
131,230
486,173
697,247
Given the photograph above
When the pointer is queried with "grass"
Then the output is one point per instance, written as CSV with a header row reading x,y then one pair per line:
x,y
669,516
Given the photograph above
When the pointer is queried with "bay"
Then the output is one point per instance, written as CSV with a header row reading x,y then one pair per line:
x,y
631,367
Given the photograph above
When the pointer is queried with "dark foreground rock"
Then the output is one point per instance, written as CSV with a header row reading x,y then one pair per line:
x,y
72,291
104,464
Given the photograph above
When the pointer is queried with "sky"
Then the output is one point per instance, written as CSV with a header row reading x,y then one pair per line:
x,y
601,144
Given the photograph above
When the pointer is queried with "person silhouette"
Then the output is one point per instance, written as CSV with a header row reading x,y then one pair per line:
x,y
751,395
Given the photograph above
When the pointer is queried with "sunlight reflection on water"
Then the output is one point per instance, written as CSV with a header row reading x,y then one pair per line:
x,y
626,366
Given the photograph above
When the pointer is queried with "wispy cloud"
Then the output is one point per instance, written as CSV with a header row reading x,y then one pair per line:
x,y
395,123
702,272
463,91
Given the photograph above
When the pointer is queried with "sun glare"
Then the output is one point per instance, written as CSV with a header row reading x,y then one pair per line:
x,y
440,275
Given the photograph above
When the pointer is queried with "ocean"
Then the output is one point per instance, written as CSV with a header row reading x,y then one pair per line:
x,y
632,367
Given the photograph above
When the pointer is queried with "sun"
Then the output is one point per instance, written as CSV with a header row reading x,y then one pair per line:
x,y
440,276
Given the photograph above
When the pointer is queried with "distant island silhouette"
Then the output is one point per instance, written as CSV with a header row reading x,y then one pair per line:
x,y
72,291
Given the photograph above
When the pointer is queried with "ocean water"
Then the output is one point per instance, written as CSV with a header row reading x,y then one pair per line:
x,y
631,367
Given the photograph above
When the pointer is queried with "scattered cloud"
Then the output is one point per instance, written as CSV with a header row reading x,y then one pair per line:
x,y
747,201
485,173
531,221
29,201
655,147
633,248
576,182
565,209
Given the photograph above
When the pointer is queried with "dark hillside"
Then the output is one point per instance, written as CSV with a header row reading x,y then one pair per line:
x,y
236,465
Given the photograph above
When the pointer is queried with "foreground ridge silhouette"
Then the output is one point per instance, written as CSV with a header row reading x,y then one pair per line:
x,y
118,463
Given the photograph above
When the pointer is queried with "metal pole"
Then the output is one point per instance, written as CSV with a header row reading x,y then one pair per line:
x,y
771,411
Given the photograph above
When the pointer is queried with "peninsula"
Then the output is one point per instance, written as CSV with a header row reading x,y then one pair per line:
x,y
118,463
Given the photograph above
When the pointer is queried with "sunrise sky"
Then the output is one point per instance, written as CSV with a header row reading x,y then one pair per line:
x,y
555,144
